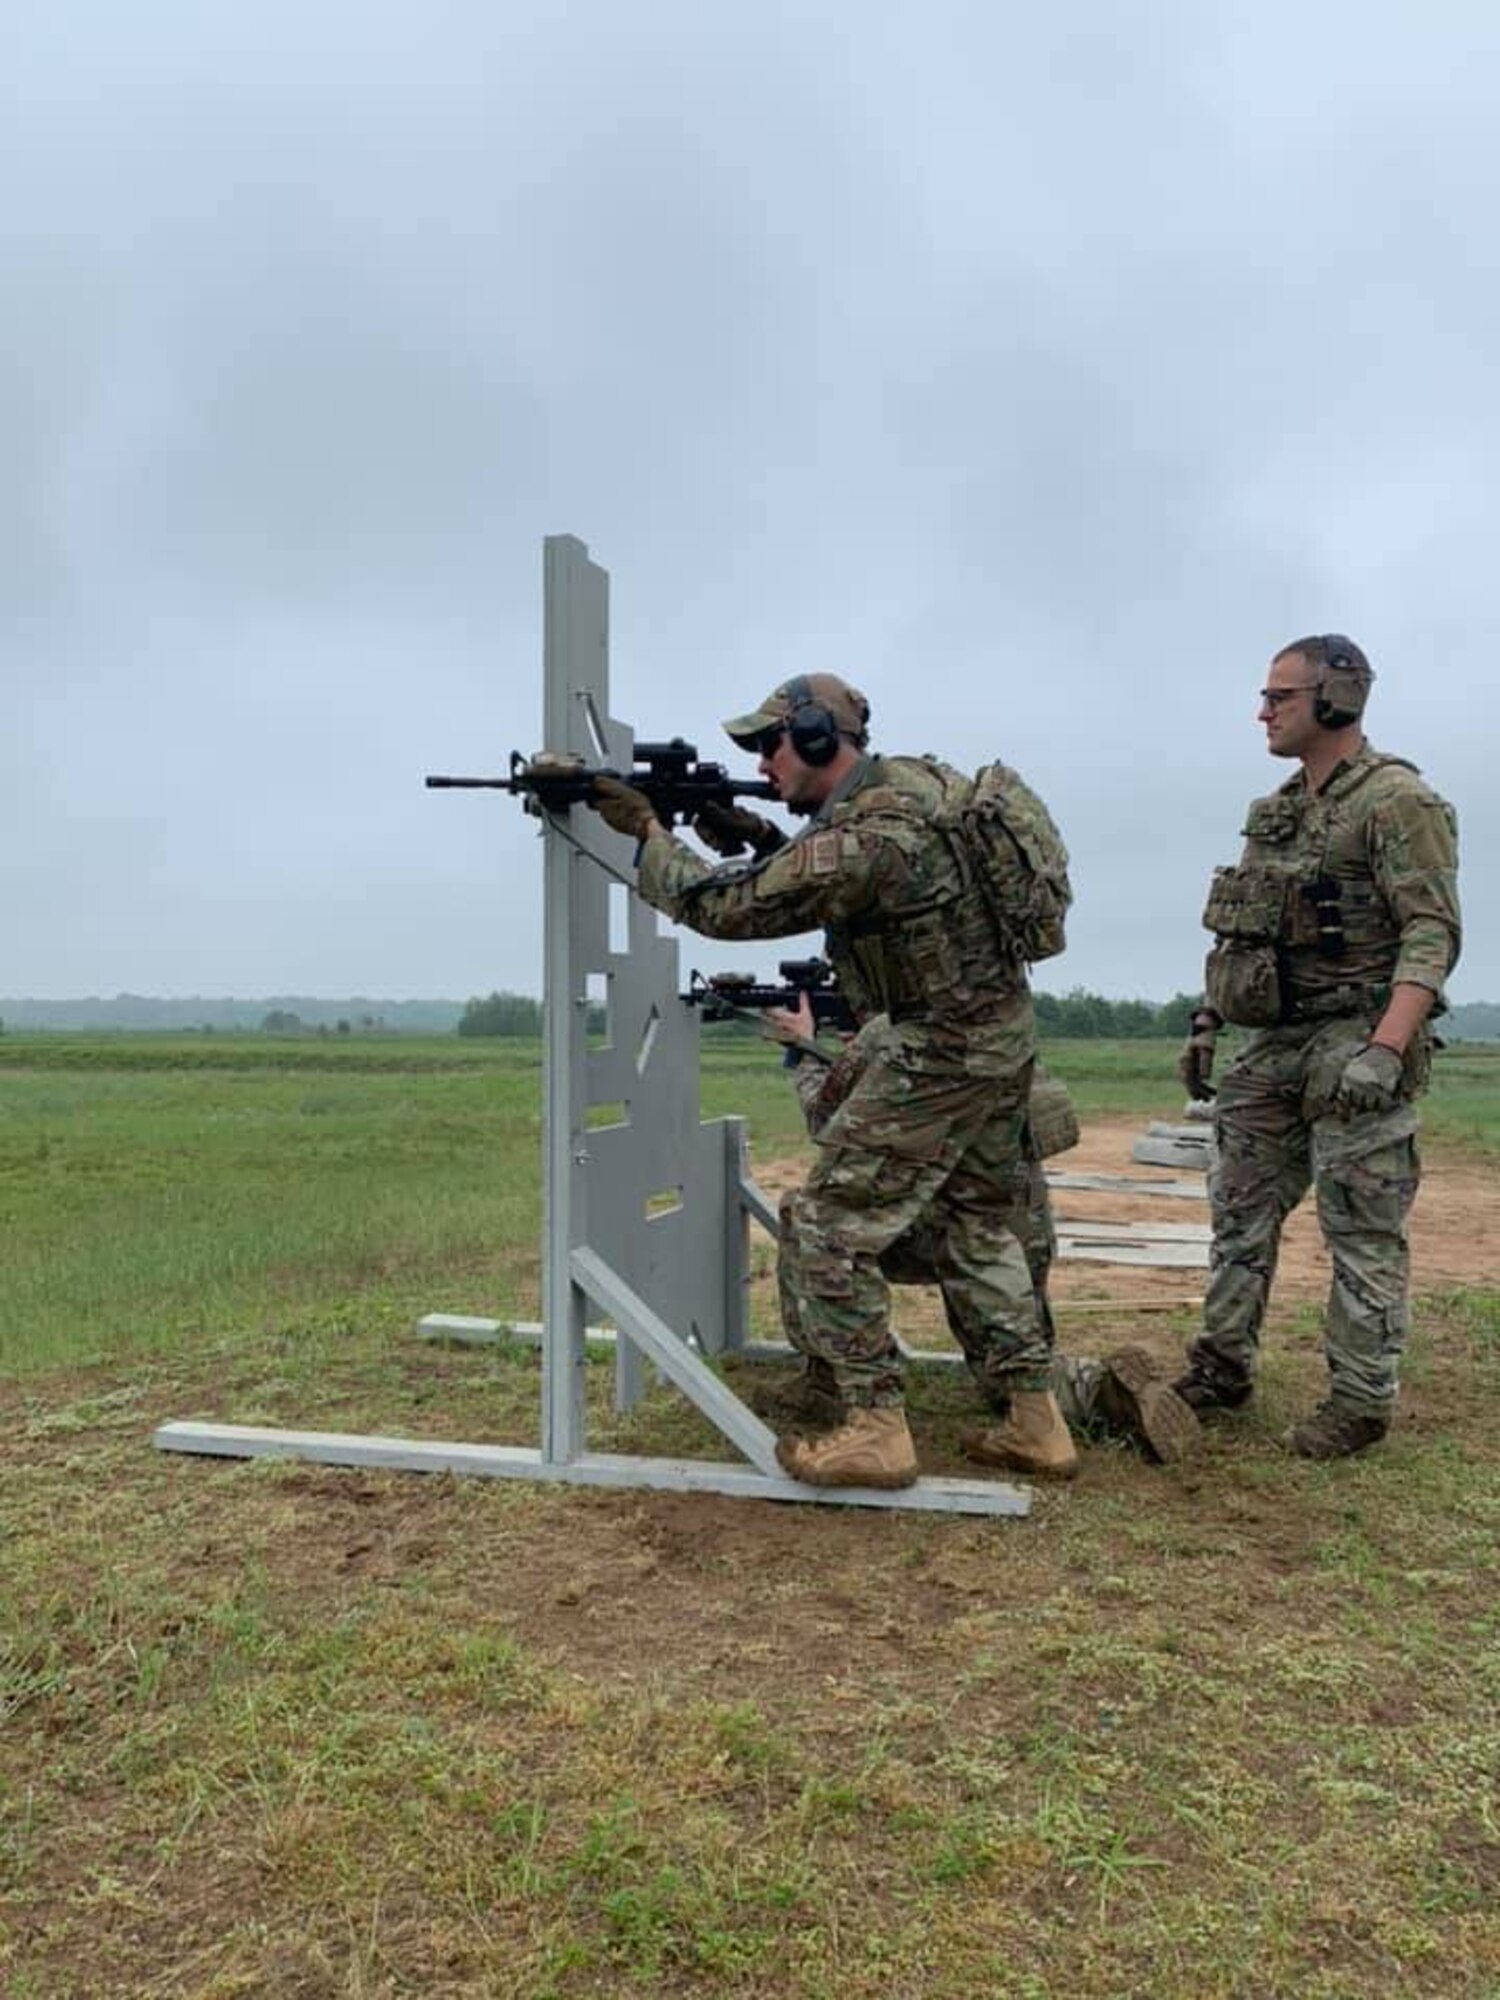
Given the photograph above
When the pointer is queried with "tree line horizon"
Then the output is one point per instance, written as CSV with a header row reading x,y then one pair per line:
x,y
1078,1014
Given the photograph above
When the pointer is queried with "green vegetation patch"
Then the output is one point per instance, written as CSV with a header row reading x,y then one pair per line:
x,y
280,1728
269,1728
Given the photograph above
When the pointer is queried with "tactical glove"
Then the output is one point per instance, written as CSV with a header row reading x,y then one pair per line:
x,y
729,830
1370,1081
1195,1062
624,808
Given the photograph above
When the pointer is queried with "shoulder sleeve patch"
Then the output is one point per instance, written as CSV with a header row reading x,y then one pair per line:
x,y
823,854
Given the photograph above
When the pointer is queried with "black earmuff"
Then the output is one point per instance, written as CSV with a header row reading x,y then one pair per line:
x,y
814,733
1342,683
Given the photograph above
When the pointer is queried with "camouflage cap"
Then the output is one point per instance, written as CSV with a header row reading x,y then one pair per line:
x,y
846,705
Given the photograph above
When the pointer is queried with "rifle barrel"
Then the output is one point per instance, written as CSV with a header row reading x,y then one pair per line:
x,y
643,780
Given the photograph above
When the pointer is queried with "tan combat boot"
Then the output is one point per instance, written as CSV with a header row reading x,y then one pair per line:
x,y
1032,1438
872,1448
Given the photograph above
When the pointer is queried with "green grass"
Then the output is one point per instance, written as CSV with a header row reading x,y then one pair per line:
x,y
154,1191
272,1729
1464,1102
158,1190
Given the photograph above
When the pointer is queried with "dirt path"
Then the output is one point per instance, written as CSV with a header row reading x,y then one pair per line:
x,y
1454,1230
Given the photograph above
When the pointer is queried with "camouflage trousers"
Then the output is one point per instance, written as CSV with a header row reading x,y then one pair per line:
x,y
1277,1136
1078,1381
921,1177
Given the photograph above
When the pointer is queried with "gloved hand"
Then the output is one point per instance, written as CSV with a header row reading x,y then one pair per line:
x,y
729,830
1195,1061
1370,1081
624,808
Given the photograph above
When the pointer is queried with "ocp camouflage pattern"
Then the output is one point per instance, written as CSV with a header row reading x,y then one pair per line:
x,y
1361,878
931,1131
1379,848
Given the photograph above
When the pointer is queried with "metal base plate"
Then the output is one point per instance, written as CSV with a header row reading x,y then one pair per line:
x,y
672,1475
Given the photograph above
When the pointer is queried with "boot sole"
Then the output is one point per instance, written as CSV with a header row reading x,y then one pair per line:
x,y
883,1482
1165,1424
1170,1431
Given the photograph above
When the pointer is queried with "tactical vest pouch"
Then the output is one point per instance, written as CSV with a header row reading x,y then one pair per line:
x,y
1315,916
1018,862
1242,981
1247,904
1273,820
1050,1114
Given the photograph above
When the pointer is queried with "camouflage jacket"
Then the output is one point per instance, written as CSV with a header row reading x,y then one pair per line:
x,y
1359,880
907,932
822,1087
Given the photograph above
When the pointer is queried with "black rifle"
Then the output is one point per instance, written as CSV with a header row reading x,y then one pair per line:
x,y
725,996
669,774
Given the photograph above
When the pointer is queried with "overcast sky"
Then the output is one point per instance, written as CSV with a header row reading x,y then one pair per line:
x,y
1041,370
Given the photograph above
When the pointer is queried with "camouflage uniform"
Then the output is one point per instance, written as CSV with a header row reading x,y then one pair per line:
x,y
1079,1382
932,1131
1356,890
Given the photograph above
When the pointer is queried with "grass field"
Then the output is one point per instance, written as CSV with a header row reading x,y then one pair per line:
x,y
281,1730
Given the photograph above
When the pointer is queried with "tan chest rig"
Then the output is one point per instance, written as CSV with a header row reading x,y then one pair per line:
x,y
1291,906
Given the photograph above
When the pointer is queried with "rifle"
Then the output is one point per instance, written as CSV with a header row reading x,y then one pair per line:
x,y
725,996
670,775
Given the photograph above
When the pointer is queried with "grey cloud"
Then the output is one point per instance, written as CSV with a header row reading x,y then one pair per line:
x,y
1041,370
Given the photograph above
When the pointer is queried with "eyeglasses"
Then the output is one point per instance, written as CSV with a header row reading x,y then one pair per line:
x,y
1277,697
769,742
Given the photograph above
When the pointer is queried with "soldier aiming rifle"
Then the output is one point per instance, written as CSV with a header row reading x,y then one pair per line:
x,y
678,784
933,891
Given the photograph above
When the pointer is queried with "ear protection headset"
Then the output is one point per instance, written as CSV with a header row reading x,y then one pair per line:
x,y
814,733
1343,682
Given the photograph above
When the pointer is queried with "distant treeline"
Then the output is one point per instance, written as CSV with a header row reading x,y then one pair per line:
x,y
502,1014
141,1013
514,1014
1068,1016
1075,1015
1479,1021
1079,1015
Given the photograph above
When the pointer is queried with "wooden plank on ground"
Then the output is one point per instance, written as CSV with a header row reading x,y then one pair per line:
x,y
1142,1184
1150,1152
1147,1230
1161,1256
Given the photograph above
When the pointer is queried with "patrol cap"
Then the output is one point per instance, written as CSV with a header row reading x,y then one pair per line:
x,y
845,706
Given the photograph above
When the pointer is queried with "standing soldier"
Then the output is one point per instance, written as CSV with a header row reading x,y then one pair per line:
x,y
1333,938
893,867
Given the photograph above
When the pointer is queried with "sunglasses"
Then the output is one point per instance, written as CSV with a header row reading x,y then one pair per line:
x,y
1277,697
